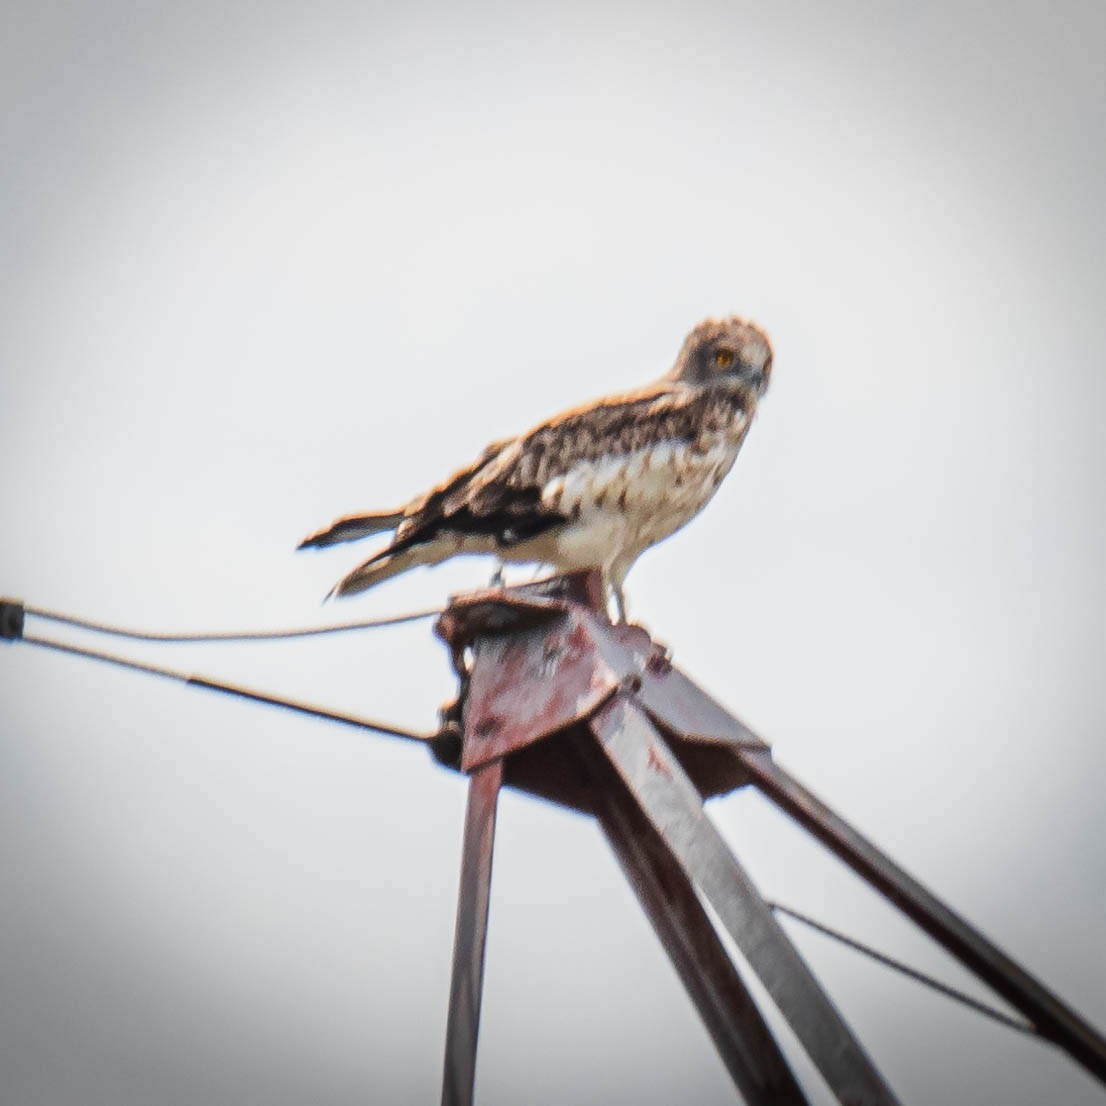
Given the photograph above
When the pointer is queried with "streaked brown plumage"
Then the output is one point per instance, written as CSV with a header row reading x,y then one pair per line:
x,y
592,487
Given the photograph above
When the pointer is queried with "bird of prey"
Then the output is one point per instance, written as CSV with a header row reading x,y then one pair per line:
x,y
593,487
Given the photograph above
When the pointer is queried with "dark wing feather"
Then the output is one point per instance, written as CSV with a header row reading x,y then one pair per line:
x,y
471,505
352,528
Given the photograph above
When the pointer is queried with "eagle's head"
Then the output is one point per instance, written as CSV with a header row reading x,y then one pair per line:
x,y
732,351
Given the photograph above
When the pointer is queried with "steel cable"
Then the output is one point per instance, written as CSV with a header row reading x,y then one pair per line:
x,y
909,972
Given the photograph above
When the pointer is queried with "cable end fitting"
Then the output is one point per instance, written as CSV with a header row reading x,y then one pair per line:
x,y
11,619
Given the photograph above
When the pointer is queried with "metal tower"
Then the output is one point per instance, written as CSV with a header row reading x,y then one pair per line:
x,y
558,701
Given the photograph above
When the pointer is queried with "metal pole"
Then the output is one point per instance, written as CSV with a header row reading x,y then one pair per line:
x,y
742,1037
467,984
674,807
1052,1018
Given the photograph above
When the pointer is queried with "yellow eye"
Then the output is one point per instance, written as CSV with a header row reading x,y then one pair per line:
x,y
723,358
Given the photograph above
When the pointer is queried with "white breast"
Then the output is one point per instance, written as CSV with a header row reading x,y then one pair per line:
x,y
620,505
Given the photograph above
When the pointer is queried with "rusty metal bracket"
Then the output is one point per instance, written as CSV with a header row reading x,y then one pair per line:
x,y
534,664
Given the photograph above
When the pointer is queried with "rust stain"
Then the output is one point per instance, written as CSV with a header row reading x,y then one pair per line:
x,y
657,764
489,727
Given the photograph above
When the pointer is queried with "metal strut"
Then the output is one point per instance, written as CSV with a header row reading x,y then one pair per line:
x,y
1051,1017
668,799
467,984
744,1042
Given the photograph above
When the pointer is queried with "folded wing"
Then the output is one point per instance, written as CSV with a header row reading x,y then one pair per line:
x,y
509,494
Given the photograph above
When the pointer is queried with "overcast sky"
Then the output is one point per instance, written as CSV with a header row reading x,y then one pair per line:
x,y
262,264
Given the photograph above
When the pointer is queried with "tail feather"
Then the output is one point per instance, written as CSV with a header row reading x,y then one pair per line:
x,y
351,528
388,563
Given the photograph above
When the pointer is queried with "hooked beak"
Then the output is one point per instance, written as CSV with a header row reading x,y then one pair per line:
x,y
758,378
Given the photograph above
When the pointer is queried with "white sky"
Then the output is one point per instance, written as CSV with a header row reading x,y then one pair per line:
x,y
263,264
